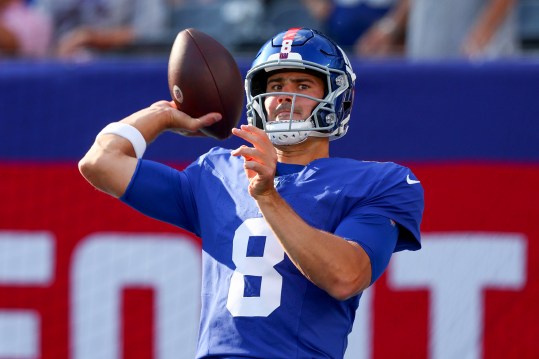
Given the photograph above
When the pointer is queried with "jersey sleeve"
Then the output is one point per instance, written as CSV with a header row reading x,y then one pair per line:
x,y
163,193
377,235
398,195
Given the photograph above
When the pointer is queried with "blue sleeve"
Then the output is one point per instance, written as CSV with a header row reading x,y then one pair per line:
x,y
163,193
377,235
397,199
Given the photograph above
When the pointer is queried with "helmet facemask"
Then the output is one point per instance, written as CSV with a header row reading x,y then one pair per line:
x,y
322,120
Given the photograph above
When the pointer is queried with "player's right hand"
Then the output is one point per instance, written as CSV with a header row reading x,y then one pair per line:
x,y
183,124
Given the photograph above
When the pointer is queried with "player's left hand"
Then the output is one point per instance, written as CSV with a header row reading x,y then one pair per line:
x,y
260,160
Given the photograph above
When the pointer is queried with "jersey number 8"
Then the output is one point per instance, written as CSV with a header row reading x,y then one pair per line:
x,y
262,266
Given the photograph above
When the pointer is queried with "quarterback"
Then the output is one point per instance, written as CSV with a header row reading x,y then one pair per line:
x,y
290,236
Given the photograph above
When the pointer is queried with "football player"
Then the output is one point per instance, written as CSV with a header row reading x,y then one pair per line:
x,y
291,237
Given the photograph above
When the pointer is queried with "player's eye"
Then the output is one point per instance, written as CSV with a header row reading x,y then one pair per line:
x,y
275,87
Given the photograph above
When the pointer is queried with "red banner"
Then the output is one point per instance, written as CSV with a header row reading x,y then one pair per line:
x,y
84,276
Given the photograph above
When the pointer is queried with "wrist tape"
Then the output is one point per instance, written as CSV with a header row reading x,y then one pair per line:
x,y
128,132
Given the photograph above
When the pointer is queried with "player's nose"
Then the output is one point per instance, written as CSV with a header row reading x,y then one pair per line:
x,y
284,98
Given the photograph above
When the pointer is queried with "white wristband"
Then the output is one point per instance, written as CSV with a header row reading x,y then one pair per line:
x,y
128,132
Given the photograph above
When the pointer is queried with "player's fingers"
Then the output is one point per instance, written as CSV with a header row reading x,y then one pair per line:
x,y
253,166
183,122
246,151
254,130
264,172
268,158
164,103
207,120
247,132
241,134
253,135
238,151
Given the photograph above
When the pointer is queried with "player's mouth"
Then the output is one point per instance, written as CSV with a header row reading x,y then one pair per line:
x,y
286,115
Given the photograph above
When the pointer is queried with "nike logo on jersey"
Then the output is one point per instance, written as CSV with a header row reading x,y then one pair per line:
x,y
411,181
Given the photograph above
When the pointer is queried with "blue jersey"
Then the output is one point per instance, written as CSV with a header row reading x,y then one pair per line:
x,y
255,303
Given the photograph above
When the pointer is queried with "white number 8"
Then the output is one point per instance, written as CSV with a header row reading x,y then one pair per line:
x,y
271,285
286,47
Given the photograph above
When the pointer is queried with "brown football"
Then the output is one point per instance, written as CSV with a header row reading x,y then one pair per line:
x,y
203,77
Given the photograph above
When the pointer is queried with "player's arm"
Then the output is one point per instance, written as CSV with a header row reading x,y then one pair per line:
x,y
111,161
340,267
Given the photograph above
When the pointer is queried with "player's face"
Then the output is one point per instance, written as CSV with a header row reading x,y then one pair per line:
x,y
279,107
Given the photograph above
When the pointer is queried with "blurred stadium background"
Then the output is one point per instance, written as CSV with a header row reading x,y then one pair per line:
x,y
84,277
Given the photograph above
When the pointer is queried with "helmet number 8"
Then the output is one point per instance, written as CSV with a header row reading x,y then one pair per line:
x,y
262,266
286,47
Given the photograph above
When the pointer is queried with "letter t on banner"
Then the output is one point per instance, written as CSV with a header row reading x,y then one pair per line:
x,y
456,268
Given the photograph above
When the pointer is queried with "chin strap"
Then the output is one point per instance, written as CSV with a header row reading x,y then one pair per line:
x,y
287,133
